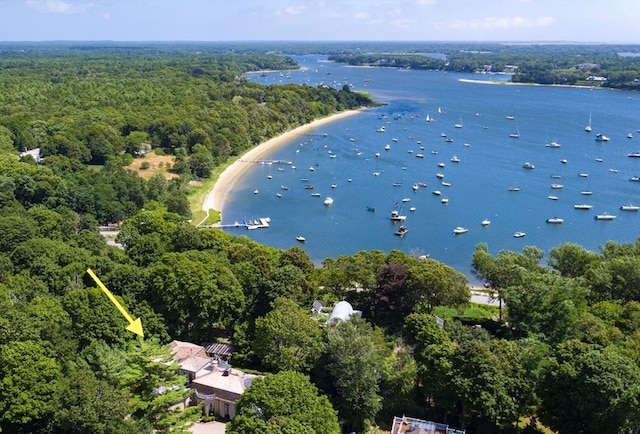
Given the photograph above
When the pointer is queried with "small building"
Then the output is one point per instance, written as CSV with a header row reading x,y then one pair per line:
x,y
35,153
411,425
342,312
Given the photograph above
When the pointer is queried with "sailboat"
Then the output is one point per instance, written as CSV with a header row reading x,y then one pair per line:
x,y
515,135
428,118
459,124
588,127
440,111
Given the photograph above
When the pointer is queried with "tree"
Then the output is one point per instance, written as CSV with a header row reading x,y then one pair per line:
x,y
28,383
287,338
85,404
353,361
587,390
571,260
288,400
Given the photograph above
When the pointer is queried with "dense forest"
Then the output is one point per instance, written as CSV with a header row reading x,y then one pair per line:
x,y
562,352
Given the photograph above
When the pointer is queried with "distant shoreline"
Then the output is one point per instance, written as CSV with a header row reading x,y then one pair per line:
x,y
224,185
510,83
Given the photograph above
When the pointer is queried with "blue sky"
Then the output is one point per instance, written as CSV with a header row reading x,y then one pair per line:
x,y
609,21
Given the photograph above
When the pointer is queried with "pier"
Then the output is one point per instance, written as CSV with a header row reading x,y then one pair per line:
x,y
262,222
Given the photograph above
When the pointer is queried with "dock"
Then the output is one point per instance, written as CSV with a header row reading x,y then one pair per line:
x,y
262,222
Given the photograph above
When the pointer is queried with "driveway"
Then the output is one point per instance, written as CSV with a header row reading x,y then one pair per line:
x,y
208,428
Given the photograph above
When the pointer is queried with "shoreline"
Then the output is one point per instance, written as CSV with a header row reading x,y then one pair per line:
x,y
217,195
509,83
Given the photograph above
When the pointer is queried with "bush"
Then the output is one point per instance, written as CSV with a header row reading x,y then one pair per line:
x,y
145,165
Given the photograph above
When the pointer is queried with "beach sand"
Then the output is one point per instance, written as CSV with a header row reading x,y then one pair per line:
x,y
216,197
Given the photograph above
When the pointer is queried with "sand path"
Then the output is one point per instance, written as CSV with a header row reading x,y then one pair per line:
x,y
225,183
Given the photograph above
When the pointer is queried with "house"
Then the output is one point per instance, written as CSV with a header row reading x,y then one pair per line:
x,y
35,153
213,381
410,425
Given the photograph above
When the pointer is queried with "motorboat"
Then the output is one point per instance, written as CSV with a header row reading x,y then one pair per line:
x,y
397,184
377,154
422,184
613,170
255,191
395,140
563,161
460,230
586,192
455,159
412,209
278,194
308,187
556,186
552,197
445,200
519,235
301,239
528,165
445,184
419,156
635,178
284,187
415,187
630,207
448,140
315,194
406,199
605,216
601,138
402,231
388,147
440,164
555,220
553,144
486,222
396,217
334,185
599,160
583,175
371,209
381,129
583,206
514,188
436,192
634,155
328,201
629,136
440,175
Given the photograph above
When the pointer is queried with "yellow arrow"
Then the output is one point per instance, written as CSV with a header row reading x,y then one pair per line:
x,y
134,325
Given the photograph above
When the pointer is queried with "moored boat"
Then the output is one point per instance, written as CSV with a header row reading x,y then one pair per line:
x,y
328,201
528,165
301,239
605,216
486,222
582,206
519,235
460,230
601,138
402,231
555,220
630,207
396,217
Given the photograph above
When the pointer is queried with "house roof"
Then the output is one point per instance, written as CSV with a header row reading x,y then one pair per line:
x,y
183,350
235,382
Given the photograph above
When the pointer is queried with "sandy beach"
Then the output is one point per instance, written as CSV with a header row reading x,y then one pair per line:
x,y
216,197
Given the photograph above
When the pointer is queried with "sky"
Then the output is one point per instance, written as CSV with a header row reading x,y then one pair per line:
x,y
600,21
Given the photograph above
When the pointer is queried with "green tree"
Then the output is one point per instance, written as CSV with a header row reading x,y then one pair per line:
x,y
287,400
287,338
587,390
29,380
353,368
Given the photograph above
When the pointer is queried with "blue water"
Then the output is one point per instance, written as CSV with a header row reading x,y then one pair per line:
x,y
491,162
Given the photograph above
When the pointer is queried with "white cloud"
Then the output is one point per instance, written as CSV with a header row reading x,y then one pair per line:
x,y
490,23
106,16
361,16
294,10
56,6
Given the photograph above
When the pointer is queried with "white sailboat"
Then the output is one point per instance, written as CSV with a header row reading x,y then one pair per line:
x,y
515,135
459,124
588,127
